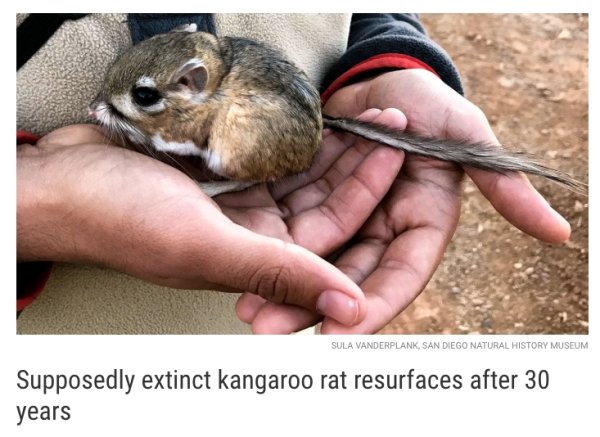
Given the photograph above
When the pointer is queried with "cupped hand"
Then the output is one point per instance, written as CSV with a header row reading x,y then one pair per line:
x,y
319,210
396,252
81,199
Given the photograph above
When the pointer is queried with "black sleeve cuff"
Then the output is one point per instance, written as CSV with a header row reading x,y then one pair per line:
x,y
374,35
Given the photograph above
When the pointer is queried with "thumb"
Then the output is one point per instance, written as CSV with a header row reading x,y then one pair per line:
x,y
521,204
282,272
511,194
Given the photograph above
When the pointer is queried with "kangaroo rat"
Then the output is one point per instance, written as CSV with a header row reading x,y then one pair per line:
x,y
248,114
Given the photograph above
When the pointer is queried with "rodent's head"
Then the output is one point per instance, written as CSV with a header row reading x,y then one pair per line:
x,y
159,84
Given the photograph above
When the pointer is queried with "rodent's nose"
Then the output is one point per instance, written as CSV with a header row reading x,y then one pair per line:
x,y
95,106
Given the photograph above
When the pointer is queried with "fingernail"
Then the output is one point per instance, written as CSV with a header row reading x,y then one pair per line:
x,y
338,306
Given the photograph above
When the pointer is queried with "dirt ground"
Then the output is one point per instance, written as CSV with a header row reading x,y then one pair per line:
x,y
529,73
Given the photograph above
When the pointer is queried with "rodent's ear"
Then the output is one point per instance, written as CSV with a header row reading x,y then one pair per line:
x,y
192,75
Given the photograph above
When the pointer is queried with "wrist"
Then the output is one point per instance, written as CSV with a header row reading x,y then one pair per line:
x,y
372,67
38,234
29,202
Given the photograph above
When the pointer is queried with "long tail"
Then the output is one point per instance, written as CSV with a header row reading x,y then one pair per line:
x,y
479,155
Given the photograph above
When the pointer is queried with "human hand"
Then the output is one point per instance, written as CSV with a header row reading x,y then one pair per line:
x,y
433,109
81,199
319,210
399,248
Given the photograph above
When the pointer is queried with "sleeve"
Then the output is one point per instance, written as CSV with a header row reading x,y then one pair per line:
x,y
31,276
386,42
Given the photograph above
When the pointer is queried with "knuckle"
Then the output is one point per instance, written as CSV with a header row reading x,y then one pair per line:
x,y
272,283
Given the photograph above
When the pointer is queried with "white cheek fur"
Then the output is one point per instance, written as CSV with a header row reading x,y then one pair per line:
x,y
213,160
185,149
103,114
100,112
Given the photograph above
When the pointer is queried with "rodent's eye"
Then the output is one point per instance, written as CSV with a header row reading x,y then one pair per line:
x,y
145,96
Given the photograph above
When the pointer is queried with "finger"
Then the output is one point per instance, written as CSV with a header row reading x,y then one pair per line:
x,y
332,149
247,307
346,165
362,259
343,208
399,277
256,195
322,162
280,272
521,204
347,101
271,318
348,206
74,135
283,319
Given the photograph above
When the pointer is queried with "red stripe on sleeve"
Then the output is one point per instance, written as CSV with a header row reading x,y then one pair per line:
x,y
26,138
388,60
31,280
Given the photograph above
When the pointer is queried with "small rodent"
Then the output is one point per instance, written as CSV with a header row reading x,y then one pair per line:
x,y
249,115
